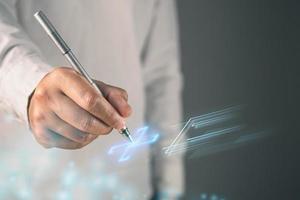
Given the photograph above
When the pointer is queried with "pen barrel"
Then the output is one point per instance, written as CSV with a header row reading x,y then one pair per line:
x,y
76,64
63,47
52,32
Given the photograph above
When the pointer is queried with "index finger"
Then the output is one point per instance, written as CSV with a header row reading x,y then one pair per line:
x,y
82,93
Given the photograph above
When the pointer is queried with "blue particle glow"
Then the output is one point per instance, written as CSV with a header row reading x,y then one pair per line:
x,y
24,193
203,196
213,197
64,195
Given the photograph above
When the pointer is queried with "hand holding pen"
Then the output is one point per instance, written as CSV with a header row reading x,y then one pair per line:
x,y
67,110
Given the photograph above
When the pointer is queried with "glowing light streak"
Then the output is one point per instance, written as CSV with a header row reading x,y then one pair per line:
x,y
202,120
219,130
142,138
207,122
214,133
227,145
202,139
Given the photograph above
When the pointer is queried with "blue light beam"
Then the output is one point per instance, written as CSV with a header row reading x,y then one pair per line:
x,y
217,117
126,150
214,132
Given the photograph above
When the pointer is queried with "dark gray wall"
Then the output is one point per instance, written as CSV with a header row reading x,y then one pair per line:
x,y
244,52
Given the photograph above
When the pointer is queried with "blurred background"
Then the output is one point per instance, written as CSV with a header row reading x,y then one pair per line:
x,y
234,52
244,52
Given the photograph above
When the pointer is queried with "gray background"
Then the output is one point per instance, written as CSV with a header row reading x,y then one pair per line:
x,y
244,52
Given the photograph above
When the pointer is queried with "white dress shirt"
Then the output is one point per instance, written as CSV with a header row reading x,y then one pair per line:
x,y
132,44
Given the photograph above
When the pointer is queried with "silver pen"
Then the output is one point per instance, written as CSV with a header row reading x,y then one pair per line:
x,y
67,52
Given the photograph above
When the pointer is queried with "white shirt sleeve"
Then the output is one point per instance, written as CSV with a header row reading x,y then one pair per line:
x,y
21,65
163,95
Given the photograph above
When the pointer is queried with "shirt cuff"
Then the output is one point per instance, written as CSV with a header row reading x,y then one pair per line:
x,y
20,74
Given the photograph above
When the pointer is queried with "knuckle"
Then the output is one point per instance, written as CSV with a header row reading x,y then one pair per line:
x,y
42,139
38,118
40,93
90,100
113,117
124,93
128,111
111,93
42,96
86,124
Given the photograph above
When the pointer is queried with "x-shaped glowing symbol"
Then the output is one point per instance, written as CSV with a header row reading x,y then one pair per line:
x,y
142,138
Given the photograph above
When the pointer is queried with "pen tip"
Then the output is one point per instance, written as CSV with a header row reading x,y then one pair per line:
x,y
126,133
130,138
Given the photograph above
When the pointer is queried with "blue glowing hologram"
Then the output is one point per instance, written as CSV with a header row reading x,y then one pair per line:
x,y
195,142
242,140
142,137
213,132
206,120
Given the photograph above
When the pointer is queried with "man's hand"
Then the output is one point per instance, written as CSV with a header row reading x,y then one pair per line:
x,y
65,111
